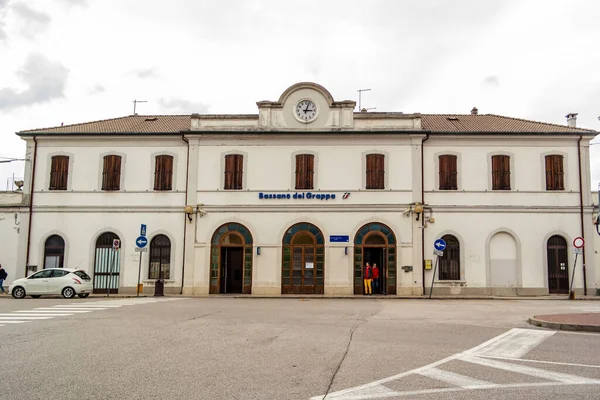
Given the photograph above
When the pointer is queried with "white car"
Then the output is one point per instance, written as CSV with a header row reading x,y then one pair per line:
x,y
64,281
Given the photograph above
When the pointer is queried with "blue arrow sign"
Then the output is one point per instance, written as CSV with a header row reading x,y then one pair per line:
x,y
143,230
141,242
439,244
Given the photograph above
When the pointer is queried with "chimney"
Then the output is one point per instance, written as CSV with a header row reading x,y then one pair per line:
x,y
474,111
572,120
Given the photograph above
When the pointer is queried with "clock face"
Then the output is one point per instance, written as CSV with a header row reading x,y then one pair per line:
x,y
306,110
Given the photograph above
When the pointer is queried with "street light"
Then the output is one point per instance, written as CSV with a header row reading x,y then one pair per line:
x,y
8,159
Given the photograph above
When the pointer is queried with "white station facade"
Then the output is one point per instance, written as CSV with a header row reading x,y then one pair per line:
x,y
296,198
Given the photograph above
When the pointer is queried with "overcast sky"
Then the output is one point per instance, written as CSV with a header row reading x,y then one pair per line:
x,y
70,61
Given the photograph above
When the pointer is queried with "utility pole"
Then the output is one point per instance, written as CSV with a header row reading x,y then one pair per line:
x,y
135,103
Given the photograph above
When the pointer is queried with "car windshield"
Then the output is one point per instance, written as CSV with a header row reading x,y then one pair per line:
x,y
82,275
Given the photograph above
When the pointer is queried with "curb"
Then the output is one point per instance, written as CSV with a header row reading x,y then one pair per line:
x,y
564,327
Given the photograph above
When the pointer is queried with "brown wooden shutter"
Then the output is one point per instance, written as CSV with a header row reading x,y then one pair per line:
x,y
238,171
310,171
371,167
111,174
452,173
380,171
59,173
229,170
554,172
444,184
500,172
163,173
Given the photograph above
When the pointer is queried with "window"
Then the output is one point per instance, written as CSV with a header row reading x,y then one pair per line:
x,y
59,172
234,168
500,173
375,171
450,261
54,252
555,175
111,173
448,172
160,258
82,275
41,274
58,273
163,173
305,164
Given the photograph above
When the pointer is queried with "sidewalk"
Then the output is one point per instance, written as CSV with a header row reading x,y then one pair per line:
x,y
587,322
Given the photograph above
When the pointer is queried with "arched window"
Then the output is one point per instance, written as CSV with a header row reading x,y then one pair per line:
x,y
54,252
160,258
450,261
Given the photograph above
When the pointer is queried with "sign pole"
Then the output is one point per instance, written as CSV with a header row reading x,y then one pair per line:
x,y
571,293
433,278
139,275
109,267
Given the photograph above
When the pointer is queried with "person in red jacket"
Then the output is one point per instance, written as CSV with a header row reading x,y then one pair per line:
x,y
375,273
368,277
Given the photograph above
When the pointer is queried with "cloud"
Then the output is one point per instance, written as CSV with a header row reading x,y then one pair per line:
x,y
72,3
183,106
146,73
3,8
491,81
97,89
33,22
45,81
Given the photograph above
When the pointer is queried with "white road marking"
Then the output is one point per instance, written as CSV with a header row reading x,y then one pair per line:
x,y
510,345
65,310
543,362
516,343
33,315
454,379
531,371
55,310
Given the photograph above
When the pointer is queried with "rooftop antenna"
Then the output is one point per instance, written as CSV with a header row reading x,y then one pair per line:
x,y
135,103
360,97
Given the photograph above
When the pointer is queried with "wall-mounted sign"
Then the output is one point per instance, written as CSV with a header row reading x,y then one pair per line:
x,y
299,196
339,238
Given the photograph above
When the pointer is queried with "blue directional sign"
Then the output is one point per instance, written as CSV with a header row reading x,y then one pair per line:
x,y
339,238
141,242
439,244
143,230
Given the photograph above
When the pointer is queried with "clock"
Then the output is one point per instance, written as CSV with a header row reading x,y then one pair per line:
x,y
306,110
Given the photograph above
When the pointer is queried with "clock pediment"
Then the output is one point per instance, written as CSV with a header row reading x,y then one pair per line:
x,y
306,106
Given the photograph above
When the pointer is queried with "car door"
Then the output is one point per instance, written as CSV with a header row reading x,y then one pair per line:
x,y
38,282
57,281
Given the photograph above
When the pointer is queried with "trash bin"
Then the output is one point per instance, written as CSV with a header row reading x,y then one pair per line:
x,y
159,287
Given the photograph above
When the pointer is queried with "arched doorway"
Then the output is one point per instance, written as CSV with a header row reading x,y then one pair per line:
x,y
558,265
54,252
450,261
303,262
160,258
231,260
503,263
107,264
375,243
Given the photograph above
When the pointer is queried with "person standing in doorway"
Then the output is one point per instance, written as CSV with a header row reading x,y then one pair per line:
x,y
368,277
375,273
3,276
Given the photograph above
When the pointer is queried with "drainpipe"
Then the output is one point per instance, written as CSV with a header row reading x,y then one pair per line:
x,y
581,212
184,216
423,216
31,203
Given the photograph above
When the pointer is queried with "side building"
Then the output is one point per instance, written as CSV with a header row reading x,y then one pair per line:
x,y
297,198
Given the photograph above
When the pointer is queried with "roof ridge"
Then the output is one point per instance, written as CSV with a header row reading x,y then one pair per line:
x,y
105,120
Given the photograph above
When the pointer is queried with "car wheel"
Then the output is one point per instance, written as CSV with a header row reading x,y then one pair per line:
x,y
18,292
83,295
36,296
68,293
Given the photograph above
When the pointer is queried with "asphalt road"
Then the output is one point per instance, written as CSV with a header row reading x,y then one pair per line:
x,y
226,348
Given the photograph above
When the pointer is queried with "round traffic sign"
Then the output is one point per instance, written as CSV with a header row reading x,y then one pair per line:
x,y
141,242
439,244
578,242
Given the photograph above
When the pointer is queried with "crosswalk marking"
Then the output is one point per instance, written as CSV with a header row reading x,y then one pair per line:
x,y
453,379
509,346
67,310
